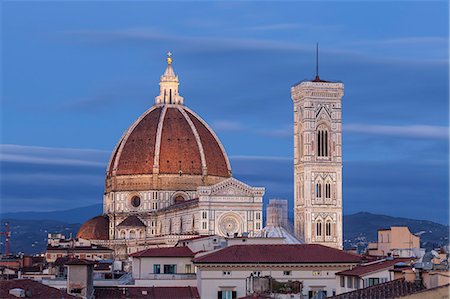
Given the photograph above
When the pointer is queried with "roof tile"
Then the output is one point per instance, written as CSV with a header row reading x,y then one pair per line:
x,y
165,252
371,267
392,289
280,253
147,292
33,288
132,220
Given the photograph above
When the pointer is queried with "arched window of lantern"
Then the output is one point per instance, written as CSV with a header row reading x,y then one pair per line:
x,y
132,234
122,234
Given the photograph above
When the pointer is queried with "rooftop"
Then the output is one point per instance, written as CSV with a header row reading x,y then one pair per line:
x,y
280,253
147,292
61,261
132,220
80,262
32,288
371,267
79,248
197,237
392,289
165,252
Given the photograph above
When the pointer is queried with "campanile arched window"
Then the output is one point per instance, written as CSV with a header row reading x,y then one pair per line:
x,y
322,141
328,228
318,190
319,228
327,190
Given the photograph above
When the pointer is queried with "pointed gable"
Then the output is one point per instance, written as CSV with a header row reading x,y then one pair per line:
x,y
132,221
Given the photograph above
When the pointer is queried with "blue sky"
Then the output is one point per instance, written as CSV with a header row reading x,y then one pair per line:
x,y
76,74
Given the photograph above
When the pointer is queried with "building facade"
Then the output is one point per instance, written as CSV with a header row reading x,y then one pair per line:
x,y
396,241
169,266
318,161
231,272
368,274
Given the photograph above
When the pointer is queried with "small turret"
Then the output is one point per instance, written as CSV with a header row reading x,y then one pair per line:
x,y
168,86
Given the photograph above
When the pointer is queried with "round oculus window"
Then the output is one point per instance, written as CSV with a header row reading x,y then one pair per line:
x,y
136,201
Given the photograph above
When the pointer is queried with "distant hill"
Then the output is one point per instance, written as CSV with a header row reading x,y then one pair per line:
x,y
76,215
30,236
361,228
29,229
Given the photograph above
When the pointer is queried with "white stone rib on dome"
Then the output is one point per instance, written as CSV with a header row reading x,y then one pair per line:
x,y
123,140
224,153
197,138
183,110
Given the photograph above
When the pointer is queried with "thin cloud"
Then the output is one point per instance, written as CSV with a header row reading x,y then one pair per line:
x,y
214,43
288,26
53,155
228,126
410,40
235,126
43,203
45,149
260,158
281,26
53,178
207,23
279,133
412,131
204,43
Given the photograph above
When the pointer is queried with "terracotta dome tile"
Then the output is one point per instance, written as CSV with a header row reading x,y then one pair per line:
x,y
139,149
187,151
216,163
179,149
96,228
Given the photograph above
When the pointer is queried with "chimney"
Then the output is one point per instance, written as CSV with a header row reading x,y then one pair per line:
x,y
80,278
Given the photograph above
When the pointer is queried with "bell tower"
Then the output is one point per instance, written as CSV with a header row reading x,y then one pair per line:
x,y
318,161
